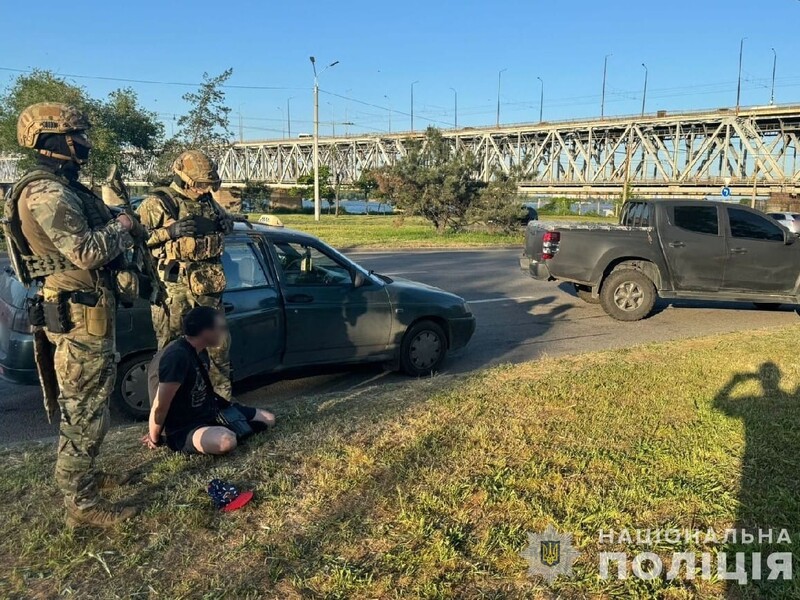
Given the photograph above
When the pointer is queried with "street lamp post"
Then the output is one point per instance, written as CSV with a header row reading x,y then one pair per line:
x,y
289,117
603,96
389,100
316,133
455,108
774,70
739,81
412,104
541,99
644,93
499,78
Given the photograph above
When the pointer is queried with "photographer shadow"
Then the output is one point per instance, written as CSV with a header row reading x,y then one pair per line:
x,y
769,488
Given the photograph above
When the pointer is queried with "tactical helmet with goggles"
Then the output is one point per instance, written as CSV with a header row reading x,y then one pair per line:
x,y
196,169
53,118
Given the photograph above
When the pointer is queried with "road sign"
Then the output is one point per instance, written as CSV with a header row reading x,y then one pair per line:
x,y
726,192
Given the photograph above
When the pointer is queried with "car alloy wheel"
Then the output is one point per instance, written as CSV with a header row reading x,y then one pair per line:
x,y
426,349
628,296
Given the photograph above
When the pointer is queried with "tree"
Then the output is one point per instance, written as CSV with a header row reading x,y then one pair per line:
x,y
305,187
119,124
367,183
208,121
258,193
498,204
433,181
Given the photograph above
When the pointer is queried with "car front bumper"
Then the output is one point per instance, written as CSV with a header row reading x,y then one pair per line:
x,y
461,330
537,270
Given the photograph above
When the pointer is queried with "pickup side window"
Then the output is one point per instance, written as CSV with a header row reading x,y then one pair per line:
x,y
242,268
747,225
637,214
302,264
699,219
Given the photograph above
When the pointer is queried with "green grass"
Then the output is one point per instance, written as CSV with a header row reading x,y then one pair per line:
x,y
394,231
427,488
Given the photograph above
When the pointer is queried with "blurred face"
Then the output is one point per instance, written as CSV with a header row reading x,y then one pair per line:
x,y
82,145
213,337
195,192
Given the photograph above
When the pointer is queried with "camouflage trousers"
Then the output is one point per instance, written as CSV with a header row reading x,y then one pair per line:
x,y
86,368
169,327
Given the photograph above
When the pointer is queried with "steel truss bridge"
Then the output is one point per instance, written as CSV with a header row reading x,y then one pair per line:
x,y
748,150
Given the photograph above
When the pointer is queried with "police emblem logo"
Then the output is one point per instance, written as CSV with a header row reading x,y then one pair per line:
x,y
549,554
550,551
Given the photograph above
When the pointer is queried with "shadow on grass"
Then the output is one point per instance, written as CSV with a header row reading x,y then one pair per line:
x,y
769,496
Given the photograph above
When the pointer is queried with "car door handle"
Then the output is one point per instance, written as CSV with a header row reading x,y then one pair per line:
x,y
677,244
738,250
300,298
228,307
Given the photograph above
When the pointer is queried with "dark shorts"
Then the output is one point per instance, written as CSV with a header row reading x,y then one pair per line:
x,y
181,440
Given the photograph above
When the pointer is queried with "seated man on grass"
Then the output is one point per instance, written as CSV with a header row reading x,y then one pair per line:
x,y
184,407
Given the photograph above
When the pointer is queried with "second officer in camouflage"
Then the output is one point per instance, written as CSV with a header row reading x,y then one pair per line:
x,y
187,229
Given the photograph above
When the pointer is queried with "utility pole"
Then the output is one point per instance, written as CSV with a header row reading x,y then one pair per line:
x,y
499,78
289,117
455,108
644,93
774,70
541,99
389,100
412,104
316,133
603,95
739,83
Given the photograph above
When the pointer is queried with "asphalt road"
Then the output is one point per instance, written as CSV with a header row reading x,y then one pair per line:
x,y
519,319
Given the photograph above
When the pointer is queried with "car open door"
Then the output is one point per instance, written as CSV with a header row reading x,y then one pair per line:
x,y
329,318
253,308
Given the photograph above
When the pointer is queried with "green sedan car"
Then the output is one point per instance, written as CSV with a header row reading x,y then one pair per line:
x,y
291,301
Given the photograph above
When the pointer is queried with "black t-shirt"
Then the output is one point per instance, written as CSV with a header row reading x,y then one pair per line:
x,y
195,403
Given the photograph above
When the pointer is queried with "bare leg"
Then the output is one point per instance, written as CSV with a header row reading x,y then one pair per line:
x,y
214,440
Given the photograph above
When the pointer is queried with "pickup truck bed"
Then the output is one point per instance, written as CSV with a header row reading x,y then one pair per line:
x,y
672,249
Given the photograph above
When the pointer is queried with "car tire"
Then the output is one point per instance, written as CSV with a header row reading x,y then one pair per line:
x,y
130,388
767,305
584,292
628,295
423,349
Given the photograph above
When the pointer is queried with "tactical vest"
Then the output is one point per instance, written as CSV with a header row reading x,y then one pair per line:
x,y
28,266
207,245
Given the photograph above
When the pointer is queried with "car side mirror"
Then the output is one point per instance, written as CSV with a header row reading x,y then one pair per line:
x,y
358,279
789,237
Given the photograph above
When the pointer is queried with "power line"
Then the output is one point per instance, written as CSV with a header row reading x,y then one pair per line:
x,y
154,82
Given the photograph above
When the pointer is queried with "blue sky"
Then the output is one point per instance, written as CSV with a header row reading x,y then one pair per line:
x,y
690,48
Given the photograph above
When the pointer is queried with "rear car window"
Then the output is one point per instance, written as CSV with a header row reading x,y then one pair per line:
x,y
747,225
699,219
637,214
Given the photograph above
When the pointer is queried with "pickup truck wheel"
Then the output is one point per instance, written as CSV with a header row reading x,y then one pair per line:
x,y
767,305
130,389
628,295
423,349
584,292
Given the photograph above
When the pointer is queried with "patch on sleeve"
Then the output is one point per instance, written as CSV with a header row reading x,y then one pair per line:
x,y
68,218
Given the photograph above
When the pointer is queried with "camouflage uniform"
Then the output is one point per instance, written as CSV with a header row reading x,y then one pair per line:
x,y
191,268
60,218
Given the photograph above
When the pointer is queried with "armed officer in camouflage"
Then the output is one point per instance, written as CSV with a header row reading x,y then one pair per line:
x,y
187,228
63,238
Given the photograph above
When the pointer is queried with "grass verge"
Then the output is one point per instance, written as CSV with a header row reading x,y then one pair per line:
x,y
427,489
395,231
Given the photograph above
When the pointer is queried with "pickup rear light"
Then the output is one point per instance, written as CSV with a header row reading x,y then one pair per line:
x,y
550,241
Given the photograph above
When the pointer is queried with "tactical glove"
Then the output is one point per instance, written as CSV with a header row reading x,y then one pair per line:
x,y
226,223
182,228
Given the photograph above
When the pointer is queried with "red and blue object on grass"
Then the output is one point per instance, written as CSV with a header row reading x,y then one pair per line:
x,y
226,497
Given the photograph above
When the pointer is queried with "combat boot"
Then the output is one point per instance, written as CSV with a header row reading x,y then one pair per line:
x,y
102,514
107,481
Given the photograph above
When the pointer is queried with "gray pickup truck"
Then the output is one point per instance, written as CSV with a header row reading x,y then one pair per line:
x,y
699,250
